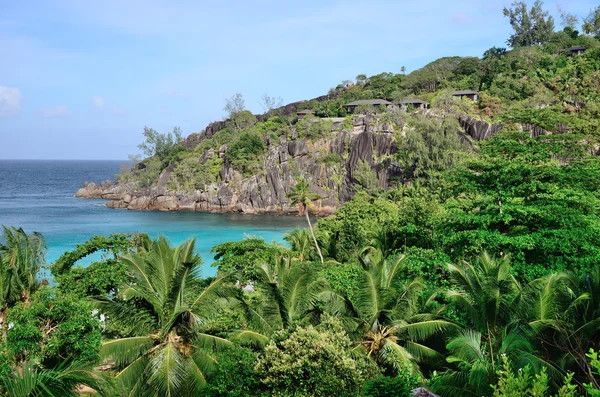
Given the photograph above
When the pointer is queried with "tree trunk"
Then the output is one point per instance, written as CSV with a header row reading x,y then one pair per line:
x,y
313,234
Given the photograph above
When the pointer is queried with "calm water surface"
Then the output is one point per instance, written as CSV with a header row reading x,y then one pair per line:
x,y
38,196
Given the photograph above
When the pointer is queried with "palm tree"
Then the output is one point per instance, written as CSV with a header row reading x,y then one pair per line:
x,y
66,380
393,318
302,196
289,294
166,354
299,241
492,300
565,312
21,258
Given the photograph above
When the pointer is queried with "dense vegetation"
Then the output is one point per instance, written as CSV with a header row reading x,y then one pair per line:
x,y
477,274
537,85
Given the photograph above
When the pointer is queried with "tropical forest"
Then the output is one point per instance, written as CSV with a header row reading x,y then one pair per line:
x,y
451,244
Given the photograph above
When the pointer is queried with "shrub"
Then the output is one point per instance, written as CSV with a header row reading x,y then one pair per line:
x,y
398,386
243,153
313,361
235,376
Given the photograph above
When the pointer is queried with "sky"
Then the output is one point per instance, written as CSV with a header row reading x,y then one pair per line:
x,y
81,79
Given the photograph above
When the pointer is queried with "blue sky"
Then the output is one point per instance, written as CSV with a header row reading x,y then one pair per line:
x,y
80,79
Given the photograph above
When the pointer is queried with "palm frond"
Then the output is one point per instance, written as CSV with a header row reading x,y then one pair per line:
x,y
167,371
126,350
249,337
421,330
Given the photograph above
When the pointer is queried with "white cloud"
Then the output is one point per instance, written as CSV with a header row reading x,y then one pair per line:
x,y
60,111
10,101
98,102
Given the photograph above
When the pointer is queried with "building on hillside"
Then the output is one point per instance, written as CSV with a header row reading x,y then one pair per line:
x,y
373,102
576,50
472,95
415,103
303,113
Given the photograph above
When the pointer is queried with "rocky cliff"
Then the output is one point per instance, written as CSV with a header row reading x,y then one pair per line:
x,y
335,164
366,141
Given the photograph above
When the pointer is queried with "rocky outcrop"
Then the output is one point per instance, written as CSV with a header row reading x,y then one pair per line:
x,y
288,110
285,160
422,392
479,130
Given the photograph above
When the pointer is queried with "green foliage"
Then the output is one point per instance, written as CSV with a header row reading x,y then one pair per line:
x,y
344,278
21,259
148,173
313,361
98,279
65,380
391,317
53,327
531,27
366,177
302,197
242,154
314,128
235,376
239,117
331,159
524,383
592,388
161,311
428,147
191,174
163,146
351,223
428,265
116,243
591,23
242,257
532,198
400,385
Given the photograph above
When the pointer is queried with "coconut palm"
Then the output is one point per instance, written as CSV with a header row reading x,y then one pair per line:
x,y
21,258
392,317
167,354
299,241
288,293
565,312
492,300
66,380
302,196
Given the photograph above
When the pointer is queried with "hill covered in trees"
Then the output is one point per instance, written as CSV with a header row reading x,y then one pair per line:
x,y
250,162
464,257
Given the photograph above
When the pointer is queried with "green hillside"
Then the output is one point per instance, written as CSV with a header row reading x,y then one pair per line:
x,y
463,255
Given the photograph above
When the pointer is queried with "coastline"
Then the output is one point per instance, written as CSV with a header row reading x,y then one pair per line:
x,y
118,197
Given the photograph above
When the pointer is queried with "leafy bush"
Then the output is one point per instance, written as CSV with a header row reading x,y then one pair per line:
x,y
53,327
235,376
98,279
242,257
243,153
525,383
313,361
400,385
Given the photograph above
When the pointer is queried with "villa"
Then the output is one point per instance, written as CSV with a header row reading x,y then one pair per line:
x,y
373,102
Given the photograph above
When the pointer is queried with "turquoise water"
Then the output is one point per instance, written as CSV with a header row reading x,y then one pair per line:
x,y
38,196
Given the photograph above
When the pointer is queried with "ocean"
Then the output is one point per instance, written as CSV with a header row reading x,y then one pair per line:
x,y
37,195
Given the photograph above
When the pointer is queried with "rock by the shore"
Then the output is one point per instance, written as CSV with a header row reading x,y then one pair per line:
x,y
287,157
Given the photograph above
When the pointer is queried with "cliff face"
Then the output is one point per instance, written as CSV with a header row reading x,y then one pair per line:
x,y
366,141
